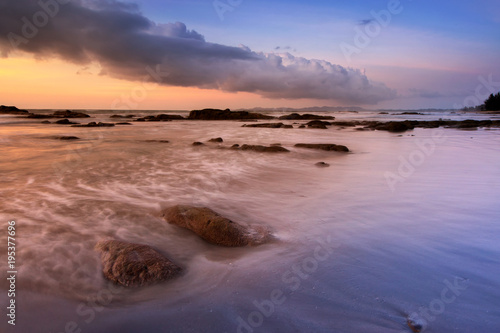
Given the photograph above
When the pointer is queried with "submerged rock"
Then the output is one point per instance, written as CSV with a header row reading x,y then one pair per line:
x,y
94,124
323,146
70,114
215,228
269,125
161,117
264,149
59,114
216,114
65,122
296,116
318,124
134,265
121,116
65,138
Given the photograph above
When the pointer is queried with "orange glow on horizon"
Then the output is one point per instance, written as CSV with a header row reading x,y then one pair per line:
x,y
54,84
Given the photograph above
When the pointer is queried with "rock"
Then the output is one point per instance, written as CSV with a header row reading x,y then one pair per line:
x,y
218,140
415,323
322,165
94,124
120,116
287,126
12,110
267,125
70,114
235,146
296,116
396,127
161,117
66,138
45,122
134,265
264,149
59,114
318,124
123,124
302,126
383,112
158,141
216,114
197,143
323,146
213,227
65,122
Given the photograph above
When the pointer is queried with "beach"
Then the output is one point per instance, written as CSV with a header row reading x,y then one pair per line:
x,y
400,228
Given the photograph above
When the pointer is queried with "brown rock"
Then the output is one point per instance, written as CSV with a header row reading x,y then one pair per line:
x,y
264,149
217,140
323,146
134,265
213,227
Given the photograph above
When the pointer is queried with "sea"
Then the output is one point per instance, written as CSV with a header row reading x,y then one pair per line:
x,y
401,234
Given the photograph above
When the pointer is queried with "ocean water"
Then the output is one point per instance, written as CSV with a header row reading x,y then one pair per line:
x,y
404,226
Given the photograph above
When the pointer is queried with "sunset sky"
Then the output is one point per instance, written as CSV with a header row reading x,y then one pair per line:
x,y
161,54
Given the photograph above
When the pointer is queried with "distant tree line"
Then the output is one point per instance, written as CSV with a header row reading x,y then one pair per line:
x,y
491,104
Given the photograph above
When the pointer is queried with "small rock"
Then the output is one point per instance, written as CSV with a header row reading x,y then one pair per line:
x,y
45,122
264,149
322,165
218,140
66,138
134,265
123,124
65,122
197,143
323,146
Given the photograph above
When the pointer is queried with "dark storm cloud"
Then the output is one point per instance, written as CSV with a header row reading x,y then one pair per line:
x,y
125,43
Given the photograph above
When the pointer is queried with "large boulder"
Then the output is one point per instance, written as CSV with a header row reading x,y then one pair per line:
x,y
323,146
134,265
216,114
215,228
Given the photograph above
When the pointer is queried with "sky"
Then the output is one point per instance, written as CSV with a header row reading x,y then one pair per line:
x,y
190,54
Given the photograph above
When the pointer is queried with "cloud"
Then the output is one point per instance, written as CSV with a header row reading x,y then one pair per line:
x,y
365,22
125,43
424,93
